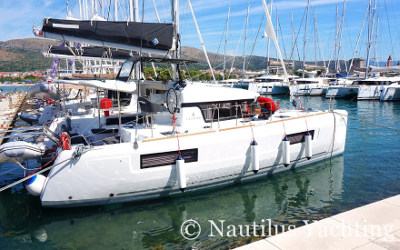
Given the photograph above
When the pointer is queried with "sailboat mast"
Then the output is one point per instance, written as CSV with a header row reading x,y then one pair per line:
x,y
269,42
277,34
115,10
175,21
226,41
305,39
315,36
370,31
291,15
244,42
80,10
376,42
131,11
341,35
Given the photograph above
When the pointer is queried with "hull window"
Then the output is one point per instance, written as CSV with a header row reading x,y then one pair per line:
x,y
299,137
167,158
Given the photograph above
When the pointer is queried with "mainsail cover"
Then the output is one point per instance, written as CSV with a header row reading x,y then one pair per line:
x,y
157,36
95,52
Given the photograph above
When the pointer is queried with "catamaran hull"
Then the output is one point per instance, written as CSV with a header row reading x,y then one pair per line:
x,y
269,89
341,92
369,92
318,91
391,94
115,173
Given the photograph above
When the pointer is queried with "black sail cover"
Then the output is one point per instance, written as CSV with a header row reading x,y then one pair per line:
x,y
96,52
148,35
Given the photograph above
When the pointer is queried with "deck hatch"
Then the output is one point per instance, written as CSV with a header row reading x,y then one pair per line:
x,y
167,158
299,137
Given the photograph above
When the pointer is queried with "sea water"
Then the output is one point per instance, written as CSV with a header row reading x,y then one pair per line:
x,y
368,171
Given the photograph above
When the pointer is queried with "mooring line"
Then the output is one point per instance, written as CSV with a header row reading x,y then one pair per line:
x,y
371,123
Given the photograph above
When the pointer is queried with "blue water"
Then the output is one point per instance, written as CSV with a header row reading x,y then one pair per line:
x,y
12,89
368,171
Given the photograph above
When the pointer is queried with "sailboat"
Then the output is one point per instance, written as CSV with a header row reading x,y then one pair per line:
x,y
198,138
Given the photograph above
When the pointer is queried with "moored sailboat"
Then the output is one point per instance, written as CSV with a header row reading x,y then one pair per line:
x,y
197,138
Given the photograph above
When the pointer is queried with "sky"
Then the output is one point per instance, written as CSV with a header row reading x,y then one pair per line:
x,y
19,16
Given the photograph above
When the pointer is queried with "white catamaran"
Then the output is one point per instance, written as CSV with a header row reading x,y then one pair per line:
x,y
196,137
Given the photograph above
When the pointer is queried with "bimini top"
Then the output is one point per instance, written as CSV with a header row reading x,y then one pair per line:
x,y
158,36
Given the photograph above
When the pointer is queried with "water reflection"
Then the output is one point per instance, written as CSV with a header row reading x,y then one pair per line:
x,y
284,198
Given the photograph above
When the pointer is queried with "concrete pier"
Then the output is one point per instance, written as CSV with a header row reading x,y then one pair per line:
x,y
374,226
9,108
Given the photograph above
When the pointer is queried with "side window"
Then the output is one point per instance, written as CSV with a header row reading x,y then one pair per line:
x,y
125,71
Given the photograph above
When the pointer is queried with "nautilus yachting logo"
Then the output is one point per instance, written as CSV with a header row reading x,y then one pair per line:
x,y
190,229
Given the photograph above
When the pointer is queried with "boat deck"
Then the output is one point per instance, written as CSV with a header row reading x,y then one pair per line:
x,y
373,226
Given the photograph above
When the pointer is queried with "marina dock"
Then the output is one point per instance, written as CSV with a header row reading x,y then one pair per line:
x,y
373,226
10,106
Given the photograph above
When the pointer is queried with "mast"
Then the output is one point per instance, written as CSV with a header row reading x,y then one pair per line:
x,y
80,10
175,21
376,42
277,35
305,40
226,41
315,36
268,46
341,35
131,11
85,6
291,14
115,10
136,10
371,15
244,42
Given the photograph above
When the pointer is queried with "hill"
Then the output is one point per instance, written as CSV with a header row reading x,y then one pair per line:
x,y
24,55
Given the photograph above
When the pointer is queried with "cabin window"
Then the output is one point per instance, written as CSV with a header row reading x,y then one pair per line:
x,y
124,98
125,71
167,158
226,110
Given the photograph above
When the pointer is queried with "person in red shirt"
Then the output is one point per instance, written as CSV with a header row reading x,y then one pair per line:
x,y
268,106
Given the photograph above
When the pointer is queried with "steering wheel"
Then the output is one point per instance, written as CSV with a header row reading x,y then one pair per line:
x,y
172,101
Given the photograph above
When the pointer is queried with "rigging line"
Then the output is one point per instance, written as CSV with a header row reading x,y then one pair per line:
x,y
109,9
370,123
390,32
237,48
255,42
297,35
283,40
251,125
222,37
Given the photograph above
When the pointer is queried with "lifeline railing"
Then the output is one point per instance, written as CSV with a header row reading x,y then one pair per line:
x,y
217,109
